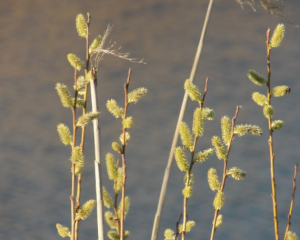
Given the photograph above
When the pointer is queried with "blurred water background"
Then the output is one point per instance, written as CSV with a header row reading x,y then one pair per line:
x,y
35,174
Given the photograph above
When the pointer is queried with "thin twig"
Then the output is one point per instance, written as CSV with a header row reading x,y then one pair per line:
x,y
292,202
224,171
177,226
175,138
123,157
98,181
73,164
272,156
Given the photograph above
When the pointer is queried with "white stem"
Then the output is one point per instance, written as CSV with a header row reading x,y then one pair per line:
x,y
98,181
175,138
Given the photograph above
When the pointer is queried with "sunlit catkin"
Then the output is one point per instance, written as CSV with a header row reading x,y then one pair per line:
x,y
192,90
127,122
226,129
187,192
62,230
95,44
136,94
107,199
219,200
277,124
280,91
268,111
181,160
237,173
64,134
83,120
259,99
110,219
114,109
277,36
185,135
81,25
219,148
111,167
219,221
203,155
198,122
243,129
213,181
291,236
85,210
74,60
64,95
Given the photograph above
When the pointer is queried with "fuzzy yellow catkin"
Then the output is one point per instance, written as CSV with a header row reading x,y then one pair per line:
x,y
226,129
185,135
95,44
111,167
116,147
113,235
277,124
62,230
81,26
109,218
189,226
114,109
277,36
64,95
169,234
136,94
213,181
74,60
187,192
268,111
192,90
256,78
181,160
259,99
204,155
237,173
126,208
107,199
198,122
79,165
83,120
76,154
127,123
219,148
243,129
291,236
219,221
219,200
191,179
127,138
119,180
280,91
85,210
64,134
208,114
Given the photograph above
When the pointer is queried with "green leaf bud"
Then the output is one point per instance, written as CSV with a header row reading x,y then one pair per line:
x,y
119,180
256,78
191,181
85,210
277,124
169,234
268,111
116,147
65,95
277,36
63,231
187,192
259,99
136,94
110,220
291,236
213,180
198,122
81,26
192,90
95,44
127,138
126,207
114,109
204,155
86,118
236,173
280,91
74,60
76,154
219,148
219,200
127,123
111,167
208,114
64,134
181,160
226,130
189,225
113,235
185,135
219,221
107,199
243,129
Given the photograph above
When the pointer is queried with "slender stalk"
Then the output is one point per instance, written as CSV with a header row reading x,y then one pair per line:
x,y
73,164
79,177
123,158
213,230
96,127
164,186
190,169
292,202
272,156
